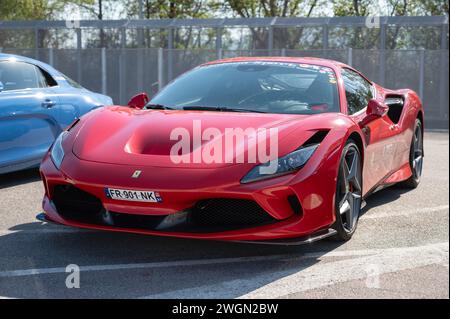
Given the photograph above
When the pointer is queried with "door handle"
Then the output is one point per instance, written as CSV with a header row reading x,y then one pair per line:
x,y
47,104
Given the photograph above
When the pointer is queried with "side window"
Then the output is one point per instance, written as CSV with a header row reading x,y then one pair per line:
x,y
41,78
18,75
358,90
45,79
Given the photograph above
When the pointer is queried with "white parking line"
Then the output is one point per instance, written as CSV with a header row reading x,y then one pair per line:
x,y
199,262
365,268
424,210
295,278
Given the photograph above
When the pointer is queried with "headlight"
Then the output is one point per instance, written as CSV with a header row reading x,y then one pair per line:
x,y
57,151
284,165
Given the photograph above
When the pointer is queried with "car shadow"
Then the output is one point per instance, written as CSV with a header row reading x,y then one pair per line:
x,y
43,246
384,196
19,178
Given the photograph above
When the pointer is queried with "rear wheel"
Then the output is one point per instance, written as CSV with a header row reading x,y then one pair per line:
x,y
415,157
348,192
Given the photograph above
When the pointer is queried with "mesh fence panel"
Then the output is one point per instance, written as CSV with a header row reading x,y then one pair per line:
x,y
113,79
337,55
368,63
131,70
29,53
435,92
150,71
91,75
66,61
184,60
402,70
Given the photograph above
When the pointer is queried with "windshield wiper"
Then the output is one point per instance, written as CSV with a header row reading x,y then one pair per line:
x,y
219,109
157,107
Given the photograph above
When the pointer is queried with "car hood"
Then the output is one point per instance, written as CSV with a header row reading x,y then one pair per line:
x,y
127,136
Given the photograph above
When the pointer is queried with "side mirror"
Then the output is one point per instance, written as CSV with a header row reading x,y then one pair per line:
x,y
139,101
1,86
375,109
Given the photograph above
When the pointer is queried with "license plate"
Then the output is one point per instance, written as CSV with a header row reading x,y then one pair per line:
x,y
133,195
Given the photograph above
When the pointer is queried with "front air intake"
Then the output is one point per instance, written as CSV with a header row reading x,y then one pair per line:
x,y
218,214
75,204
230,213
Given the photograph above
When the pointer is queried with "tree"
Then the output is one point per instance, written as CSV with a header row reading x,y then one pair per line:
x,y
397,36
30,10
423,37
169,9
352,8
96,9
22,10
283,37
272,8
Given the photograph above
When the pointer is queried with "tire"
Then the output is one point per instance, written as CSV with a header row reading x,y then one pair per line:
x,y
415,157
348,192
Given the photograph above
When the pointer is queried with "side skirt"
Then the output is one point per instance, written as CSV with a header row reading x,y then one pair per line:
x,y
398,176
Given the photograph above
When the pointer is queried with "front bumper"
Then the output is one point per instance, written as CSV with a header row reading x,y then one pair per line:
x,y
181,189
308,239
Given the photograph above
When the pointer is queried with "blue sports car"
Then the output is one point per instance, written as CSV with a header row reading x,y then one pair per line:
x,y
36,103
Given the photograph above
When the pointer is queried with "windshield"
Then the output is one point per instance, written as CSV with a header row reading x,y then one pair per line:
x,y
270,87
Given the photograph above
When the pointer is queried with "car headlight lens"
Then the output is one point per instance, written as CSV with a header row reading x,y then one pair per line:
x,y
286,164
57,151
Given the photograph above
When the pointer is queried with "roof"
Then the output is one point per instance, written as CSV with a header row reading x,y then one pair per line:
x,y
5,56
306,60
48,68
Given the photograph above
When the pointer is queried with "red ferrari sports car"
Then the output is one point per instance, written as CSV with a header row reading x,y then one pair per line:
x,y
278,150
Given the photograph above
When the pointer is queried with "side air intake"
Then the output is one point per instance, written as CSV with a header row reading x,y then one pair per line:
x,y
317,138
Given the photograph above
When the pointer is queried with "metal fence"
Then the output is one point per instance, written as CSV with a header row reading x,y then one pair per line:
x,y
121,58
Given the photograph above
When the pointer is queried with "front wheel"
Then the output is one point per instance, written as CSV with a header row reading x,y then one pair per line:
x,y
348,192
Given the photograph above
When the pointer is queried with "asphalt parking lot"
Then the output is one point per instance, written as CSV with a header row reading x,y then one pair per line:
x,y
400,250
